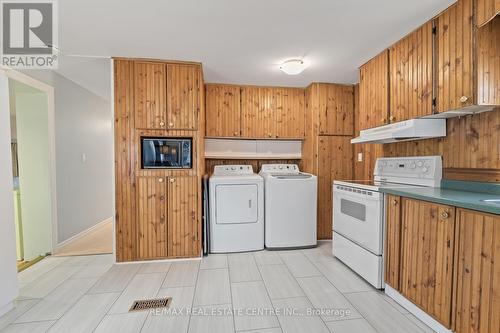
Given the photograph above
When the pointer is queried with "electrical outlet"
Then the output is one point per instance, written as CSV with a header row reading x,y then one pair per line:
x,y
360,157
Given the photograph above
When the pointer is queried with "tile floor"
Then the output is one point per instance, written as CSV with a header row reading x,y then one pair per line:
x,y
310,290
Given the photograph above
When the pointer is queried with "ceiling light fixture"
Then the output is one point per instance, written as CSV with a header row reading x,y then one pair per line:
x,y
293,66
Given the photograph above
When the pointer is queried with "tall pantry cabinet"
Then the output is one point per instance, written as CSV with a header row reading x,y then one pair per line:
x,y
157,210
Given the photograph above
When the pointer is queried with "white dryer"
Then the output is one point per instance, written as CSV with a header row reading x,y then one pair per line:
x,y
290,206
236,200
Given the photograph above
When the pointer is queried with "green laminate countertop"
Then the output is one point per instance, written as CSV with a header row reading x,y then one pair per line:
x,y
455,193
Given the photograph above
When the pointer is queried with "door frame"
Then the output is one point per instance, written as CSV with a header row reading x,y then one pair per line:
x,y
49,90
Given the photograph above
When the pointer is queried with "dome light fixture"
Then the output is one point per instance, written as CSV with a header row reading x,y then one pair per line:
x,y
293,66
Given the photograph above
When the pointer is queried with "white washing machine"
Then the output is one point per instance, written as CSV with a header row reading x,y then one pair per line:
x,y
236,200
290,206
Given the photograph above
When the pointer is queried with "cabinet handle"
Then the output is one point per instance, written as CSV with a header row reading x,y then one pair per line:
x,y
445,215
172,180
160,180
162,123
464,99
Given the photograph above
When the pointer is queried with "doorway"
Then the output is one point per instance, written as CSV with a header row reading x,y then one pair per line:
x,y
32,148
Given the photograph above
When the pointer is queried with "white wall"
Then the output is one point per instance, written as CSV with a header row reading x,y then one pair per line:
x,y
83,126
8,269
34,173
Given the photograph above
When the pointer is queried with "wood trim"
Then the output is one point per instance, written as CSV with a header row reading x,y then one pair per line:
x,y
479,175
180,62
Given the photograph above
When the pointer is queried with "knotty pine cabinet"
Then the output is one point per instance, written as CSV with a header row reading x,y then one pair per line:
x,y
167,217
167,96
374,92
334,163
223,107
392,245
410,70
486,10
477,272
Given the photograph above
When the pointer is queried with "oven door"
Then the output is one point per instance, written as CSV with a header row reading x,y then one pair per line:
x,y
358,216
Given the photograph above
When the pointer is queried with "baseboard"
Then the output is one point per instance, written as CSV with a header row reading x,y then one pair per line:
x,y
82,234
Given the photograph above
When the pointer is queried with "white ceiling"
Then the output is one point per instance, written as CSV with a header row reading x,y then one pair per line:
x,y
241,41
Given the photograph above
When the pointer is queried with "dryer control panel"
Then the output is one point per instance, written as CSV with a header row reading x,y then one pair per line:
x,y
228,170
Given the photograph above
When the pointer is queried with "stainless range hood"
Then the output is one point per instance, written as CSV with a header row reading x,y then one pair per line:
x,y
414,129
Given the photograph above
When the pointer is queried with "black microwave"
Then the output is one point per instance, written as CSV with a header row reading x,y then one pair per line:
x,y
167,153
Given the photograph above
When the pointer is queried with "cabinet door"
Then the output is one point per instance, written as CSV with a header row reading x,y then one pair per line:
x,y
374,92
477,273
183,220
151,217
222,110
150,95
183,96
427,258
486,10
411,75
258,116
392,246
488,63
334,163
454,57
290,112
335,109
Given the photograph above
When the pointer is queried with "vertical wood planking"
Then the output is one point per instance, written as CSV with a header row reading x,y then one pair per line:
x,y
258,116
335,109
454,47
477,272
290,112
183,217
374,92
411,75
150,95
488,63
334,163
223,113
183,96
427,257
392,246
486,10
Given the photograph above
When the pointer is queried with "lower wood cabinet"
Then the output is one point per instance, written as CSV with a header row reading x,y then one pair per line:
x,y
392,246
477,272
167,217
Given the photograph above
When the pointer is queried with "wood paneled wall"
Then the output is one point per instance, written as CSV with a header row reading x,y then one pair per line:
x,y
488,62
157,210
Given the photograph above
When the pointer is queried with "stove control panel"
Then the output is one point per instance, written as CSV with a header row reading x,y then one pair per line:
x,y
399,169
225,170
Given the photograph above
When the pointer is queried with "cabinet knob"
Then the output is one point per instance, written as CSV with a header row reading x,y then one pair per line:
x,y
392,118
172,180
235,133
383,120
170,124
162,123
160,180
464,99
445,215
269,135
394,202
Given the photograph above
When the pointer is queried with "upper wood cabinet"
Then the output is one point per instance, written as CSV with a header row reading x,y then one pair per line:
x,y
488,63
150,95
486,10
167,96
454,55
374,92
223,114
335,104
427,246
183,96
290,112
392,246
258,112
411,75
477,281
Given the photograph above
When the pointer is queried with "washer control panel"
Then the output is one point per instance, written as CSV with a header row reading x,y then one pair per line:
x,y
227,170
280,168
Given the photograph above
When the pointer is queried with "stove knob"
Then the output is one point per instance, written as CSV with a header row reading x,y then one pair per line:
x,y
280,167
420,163
413,165
424,169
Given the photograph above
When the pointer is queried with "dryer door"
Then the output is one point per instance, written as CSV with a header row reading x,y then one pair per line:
x,y
236,204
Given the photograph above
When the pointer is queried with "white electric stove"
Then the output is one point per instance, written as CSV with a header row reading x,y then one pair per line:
x,y
359,211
